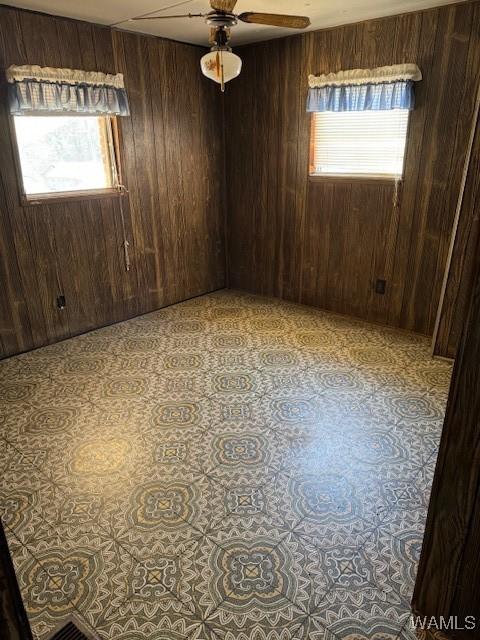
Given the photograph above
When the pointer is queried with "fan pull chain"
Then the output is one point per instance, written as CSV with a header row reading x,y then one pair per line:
x,y
222,86
122,189
396,193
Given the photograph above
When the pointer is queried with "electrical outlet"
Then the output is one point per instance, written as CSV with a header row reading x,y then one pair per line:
x,y
380,287
61,303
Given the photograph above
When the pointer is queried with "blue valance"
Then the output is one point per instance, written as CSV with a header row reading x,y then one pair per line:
x,y
364,97
34,90
379,89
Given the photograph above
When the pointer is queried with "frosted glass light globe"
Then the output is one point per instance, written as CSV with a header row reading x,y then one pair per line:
x,y
221,65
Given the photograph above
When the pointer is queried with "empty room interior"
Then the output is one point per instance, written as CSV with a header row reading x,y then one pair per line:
x,y
240,320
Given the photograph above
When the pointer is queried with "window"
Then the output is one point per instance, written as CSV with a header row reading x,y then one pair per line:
x,y
64,155
359,143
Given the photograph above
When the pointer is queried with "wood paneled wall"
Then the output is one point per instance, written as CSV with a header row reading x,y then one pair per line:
x,y
321,243
326,243
448,579
459,279
173,166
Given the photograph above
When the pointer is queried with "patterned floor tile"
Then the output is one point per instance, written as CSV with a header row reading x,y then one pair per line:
x,y
159,581
22,507
355,609
45,426
405,403
420,438
16,466
45,606
97,460
397,558
24,386
262,575
395,488
232,467
293,382
248,499
285,409
236,383
132,621
178,385
323,508
174,451
375,356
293,629
174,510
383,625
60,575
313,448
226,412
245,448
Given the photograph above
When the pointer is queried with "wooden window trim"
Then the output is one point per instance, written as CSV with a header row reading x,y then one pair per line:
x,y
72,196
353,179
33,200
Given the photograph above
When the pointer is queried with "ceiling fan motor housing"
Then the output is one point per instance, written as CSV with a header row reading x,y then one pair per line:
x,y
216,19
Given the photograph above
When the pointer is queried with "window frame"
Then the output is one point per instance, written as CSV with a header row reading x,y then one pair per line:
x,y
349,178
115,145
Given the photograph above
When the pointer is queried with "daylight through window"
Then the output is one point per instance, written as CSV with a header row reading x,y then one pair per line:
x,y
63,154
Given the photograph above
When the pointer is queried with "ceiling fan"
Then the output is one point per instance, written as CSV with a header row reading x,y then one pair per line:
x,y
220,64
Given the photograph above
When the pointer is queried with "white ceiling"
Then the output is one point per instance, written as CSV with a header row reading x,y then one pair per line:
x,y
322,13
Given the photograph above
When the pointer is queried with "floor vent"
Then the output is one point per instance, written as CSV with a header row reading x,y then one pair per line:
x,y
72,630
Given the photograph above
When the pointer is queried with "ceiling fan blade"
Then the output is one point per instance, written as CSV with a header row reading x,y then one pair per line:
x,y
275,20
223,5
184,15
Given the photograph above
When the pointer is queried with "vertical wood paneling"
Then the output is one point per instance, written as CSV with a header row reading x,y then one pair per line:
x,y
319,243
425,29
441,177
448,576
173,161
240,253
15,329
333,240
35,330
458,282
460,273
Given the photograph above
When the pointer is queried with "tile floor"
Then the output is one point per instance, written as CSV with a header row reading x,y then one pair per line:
x,y
229,468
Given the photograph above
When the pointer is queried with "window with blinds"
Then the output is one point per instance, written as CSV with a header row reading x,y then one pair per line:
x,y
359,143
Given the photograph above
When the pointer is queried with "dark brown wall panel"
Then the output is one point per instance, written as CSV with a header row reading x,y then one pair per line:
x,y
459,279
448,579
173,165
325,243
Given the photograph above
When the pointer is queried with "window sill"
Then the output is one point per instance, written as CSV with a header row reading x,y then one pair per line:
x,y
353,179
69,196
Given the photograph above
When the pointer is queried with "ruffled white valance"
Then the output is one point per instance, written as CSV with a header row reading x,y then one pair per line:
x,y
395,73
71,76
380,89
35,89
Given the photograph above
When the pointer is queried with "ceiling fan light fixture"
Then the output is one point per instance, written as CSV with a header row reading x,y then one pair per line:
x,y
221,65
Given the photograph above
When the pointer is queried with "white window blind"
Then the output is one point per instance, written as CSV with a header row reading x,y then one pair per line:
x,y
368,143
